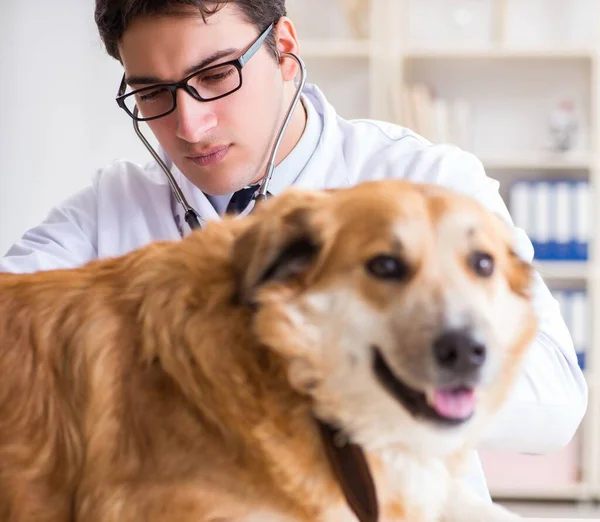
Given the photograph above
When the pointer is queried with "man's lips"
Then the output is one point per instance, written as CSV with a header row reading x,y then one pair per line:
x,y
210,156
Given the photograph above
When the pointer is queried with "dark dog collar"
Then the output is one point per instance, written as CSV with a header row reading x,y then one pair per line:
x,y
351,469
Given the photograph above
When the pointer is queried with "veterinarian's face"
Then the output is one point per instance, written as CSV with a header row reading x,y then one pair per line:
x,y
413,309
220,145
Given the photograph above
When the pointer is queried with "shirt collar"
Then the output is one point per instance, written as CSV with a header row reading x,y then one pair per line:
x,y
219,202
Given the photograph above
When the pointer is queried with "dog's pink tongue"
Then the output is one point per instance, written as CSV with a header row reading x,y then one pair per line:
x,y
454,404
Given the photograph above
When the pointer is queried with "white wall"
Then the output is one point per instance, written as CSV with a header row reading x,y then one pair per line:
x,y
58,119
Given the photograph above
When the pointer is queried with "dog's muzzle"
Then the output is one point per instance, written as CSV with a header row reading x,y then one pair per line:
x,y
458,359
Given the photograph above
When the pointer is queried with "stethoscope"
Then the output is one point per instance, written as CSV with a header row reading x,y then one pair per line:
x,y
192,217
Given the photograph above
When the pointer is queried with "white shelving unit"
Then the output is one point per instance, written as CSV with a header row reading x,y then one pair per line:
x,y
336,49
564,270
499,53
511,73
539,161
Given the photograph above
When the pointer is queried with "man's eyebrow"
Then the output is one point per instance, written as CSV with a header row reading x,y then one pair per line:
x,y
150,80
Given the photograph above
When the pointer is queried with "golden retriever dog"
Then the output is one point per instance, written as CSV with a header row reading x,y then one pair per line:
x,y
330,358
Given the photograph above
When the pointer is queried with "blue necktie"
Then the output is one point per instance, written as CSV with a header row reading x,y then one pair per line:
x,y
241,199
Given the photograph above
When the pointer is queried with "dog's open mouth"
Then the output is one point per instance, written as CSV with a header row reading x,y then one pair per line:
x,y
445,406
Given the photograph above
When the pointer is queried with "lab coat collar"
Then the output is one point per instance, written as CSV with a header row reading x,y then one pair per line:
x,y
288,170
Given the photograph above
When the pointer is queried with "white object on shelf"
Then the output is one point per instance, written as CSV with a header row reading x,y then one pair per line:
x,y
563,126
436,118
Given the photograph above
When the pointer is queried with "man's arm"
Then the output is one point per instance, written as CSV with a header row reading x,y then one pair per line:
x,y
65,239
550,399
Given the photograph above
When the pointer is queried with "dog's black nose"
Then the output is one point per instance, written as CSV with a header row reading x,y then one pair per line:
x,y
458,352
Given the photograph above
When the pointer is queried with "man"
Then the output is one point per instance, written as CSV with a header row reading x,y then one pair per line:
x,y
220,146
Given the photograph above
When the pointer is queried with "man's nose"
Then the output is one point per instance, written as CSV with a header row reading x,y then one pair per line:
x,y
456,351
194,118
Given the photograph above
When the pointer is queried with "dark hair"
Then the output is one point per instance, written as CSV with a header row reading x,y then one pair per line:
x,y
113,17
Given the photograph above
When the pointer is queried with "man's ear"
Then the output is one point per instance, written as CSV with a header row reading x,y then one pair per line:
x,y
280,246
286,41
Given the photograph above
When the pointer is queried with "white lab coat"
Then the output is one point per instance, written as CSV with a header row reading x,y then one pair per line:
x,y
128,205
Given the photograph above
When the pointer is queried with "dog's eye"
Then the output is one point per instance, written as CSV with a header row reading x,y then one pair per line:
x,y
482,263
387,267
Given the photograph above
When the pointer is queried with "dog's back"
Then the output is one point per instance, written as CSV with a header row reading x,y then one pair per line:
x,y
41,391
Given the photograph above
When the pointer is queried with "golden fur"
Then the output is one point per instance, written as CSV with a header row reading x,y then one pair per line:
x,y
179,382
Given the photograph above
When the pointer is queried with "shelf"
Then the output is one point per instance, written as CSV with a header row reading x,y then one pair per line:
x,y
533,53
537,161
579,491
565,270
335,48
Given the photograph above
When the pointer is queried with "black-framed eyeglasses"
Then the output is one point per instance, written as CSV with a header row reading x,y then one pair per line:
x,y
208,84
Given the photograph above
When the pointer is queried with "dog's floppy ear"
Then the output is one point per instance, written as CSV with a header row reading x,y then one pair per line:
x,y
280,245
519,275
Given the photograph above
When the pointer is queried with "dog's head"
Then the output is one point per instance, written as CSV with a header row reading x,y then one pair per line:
x,y
401,309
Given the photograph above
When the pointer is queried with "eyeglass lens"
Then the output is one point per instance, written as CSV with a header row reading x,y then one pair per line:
x,y
206,85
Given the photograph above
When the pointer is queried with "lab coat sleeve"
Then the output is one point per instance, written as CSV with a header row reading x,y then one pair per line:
x,y
549,401
66,238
